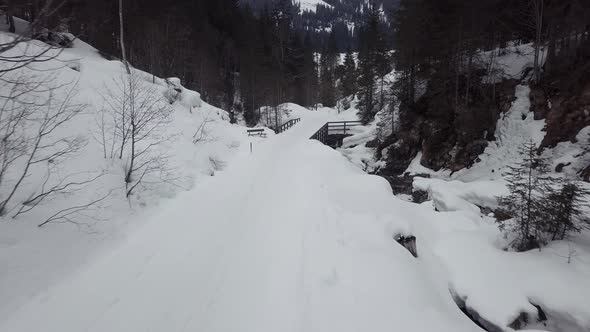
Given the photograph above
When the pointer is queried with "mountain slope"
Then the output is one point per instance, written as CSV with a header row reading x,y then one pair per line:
x,y
33,258
321,17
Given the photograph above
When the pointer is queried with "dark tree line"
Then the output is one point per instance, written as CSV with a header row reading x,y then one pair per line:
x,y
374,64
237,58
438,40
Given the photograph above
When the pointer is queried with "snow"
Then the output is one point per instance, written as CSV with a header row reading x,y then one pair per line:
x,y
306,245
459,195
471,188
514,128
266,263
572,156
354,147
510,62
289,236
499,285
311,5
34,259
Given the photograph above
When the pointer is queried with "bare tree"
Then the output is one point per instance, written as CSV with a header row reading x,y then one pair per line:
x,y
30,120
202,134
538,7
139,114
66,186
67,215
121,37
533,13
29,55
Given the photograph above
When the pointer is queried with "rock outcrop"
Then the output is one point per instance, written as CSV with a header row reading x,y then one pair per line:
x,y
449,137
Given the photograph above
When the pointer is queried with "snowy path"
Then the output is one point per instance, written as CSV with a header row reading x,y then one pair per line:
x,y
285,239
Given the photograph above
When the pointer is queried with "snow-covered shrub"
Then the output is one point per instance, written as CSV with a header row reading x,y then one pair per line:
x,y
35,116
56,39
136,117
174,90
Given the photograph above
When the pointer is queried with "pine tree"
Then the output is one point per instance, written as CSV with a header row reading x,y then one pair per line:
x,y
528,184
370,62
366,89
566,211
310,72
328,63
382,60
348,82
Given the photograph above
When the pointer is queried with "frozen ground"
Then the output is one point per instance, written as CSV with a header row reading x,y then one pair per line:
x,y
289,238
293,237
33,259
495,285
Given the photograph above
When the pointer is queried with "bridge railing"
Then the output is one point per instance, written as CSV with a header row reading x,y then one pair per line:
x,y
334,128
285,126
321,135
342,127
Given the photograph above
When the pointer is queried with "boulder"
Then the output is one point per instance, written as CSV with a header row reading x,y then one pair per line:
x,y
408,242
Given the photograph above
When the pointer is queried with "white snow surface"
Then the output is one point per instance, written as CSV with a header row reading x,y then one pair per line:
x,y
311,5
500,285
34,259
461,196
301,242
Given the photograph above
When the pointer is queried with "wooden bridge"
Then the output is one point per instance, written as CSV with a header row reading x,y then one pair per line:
x,y
332,133
285,126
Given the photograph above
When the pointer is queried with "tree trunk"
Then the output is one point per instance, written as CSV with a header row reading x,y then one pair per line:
x,y
551,51
538,12
10,20
469,65
382,100
132,157
121,38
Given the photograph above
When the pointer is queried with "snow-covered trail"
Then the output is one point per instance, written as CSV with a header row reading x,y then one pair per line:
x,y
290,237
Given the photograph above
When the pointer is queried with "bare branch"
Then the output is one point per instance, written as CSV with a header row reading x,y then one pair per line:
x,y
66,213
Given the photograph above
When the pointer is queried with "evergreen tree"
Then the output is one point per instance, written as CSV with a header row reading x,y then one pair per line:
x,y
566,211
372,64
295,71
528,184
348,81
382,58
310,72
328,62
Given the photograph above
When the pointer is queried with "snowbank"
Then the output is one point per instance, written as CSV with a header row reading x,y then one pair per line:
x,y
201,143
461,196
306,245
510,62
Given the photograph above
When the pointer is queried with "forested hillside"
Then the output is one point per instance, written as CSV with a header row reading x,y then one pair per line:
x,y
238,55
459,62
